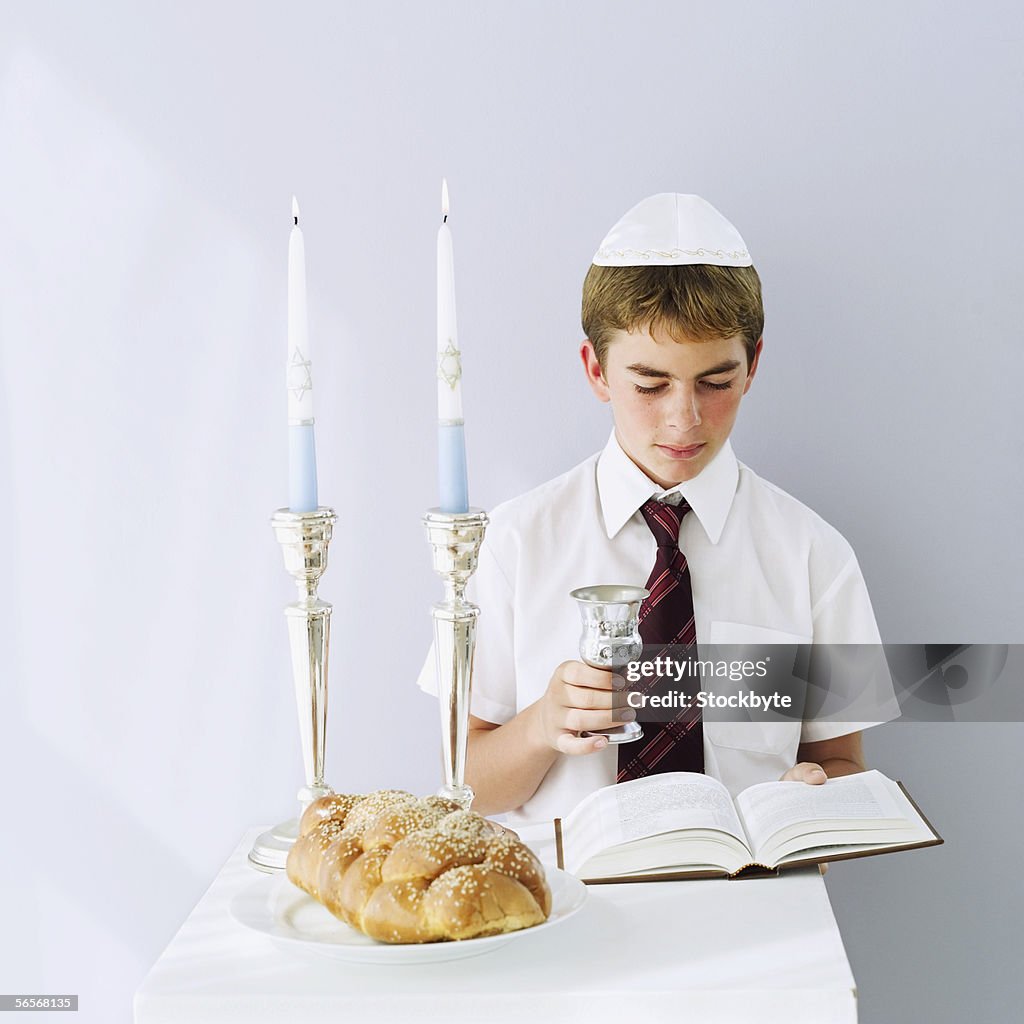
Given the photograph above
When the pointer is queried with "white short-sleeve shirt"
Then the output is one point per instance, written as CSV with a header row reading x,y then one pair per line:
x,y
764,569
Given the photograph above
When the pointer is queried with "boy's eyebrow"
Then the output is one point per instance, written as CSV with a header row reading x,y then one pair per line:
x,y
649,371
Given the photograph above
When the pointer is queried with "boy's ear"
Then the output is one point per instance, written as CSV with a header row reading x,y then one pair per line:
x,y
753,365
592,368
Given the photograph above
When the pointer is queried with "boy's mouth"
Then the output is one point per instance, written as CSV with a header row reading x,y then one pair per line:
x,y
674,452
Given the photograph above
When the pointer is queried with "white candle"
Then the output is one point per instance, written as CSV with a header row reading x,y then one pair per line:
x,y
451,443
449,377
302,491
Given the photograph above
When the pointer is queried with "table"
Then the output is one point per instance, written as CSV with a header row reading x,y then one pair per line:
x,y
761,950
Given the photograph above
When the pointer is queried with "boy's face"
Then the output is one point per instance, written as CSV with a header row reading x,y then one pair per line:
x,y
674,403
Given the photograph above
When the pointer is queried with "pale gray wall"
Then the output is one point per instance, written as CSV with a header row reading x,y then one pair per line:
x,y
870,154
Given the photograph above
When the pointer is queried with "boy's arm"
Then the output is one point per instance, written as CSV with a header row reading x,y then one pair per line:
x,y
505,764
843,615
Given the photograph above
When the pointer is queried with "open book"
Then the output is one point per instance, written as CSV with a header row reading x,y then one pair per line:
x,y
686,825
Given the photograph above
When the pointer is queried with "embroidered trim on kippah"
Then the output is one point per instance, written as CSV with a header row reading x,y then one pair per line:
x,y
603,254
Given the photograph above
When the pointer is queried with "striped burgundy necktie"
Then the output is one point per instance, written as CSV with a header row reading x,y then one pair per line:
x,y
666,619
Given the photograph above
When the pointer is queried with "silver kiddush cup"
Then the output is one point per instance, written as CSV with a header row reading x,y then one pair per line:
x,y
455,539
611,638
304,538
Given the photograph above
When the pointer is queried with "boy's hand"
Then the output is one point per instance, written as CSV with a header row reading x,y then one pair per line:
x,y
806,771
578,699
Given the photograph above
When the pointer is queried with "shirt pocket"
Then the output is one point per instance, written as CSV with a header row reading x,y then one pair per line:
x,y
721,632
759,737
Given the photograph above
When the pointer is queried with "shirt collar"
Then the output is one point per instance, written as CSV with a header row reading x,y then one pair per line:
x,y
623,487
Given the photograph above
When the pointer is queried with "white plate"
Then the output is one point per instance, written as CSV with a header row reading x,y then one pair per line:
x,y
275,907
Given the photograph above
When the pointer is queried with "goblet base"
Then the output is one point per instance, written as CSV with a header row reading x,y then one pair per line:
x,y
626,733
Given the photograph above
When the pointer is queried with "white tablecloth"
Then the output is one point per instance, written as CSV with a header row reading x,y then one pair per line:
x,y
758,950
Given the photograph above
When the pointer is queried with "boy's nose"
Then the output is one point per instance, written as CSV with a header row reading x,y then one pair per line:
x,y
685,415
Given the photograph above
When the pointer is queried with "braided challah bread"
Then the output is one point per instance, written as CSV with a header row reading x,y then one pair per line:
x,y
407,869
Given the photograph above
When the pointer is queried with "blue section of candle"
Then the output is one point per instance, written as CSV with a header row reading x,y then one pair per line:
x,y
451,467
302,496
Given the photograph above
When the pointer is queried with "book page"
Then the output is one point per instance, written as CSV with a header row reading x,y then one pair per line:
x,y
646,807
771,806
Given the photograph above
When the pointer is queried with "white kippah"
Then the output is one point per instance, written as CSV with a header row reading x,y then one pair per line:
x,y
670,229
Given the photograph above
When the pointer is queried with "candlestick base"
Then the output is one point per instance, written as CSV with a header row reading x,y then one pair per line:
x,y
270,851
462,795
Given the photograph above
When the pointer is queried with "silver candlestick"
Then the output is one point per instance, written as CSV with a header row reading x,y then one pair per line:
x,y
611,639
455,539
304,538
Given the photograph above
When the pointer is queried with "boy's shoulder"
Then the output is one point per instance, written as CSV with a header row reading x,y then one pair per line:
x,y
562,495
780,510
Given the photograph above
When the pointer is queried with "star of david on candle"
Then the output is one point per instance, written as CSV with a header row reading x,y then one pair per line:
x,y
449,365
299,376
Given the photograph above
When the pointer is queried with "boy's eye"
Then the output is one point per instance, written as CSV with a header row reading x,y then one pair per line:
x,y
707,385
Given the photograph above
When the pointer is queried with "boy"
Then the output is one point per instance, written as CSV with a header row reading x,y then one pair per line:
x,y
673,317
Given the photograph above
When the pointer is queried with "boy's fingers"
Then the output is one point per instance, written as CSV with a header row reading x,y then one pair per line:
x,y
570,743
806,771
592,721
620,703
586,698
577,674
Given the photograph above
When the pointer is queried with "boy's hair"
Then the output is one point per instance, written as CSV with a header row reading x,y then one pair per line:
x,y
698,302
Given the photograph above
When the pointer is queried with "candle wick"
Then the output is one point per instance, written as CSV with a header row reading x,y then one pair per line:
x,y
445,221
296,221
